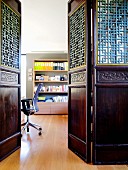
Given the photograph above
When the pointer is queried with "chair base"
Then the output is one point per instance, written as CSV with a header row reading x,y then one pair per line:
x,y
27,124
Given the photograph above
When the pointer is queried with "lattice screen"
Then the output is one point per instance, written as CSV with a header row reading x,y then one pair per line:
x,y
10,37
112,32
77,37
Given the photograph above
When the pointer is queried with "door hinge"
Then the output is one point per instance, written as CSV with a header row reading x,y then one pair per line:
x,y
91,136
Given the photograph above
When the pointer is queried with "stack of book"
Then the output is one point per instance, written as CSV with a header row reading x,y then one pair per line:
x,y
51,66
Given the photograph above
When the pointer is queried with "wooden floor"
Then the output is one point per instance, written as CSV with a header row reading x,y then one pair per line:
x,y
49,151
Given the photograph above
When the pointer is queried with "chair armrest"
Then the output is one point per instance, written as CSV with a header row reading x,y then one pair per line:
x,y
25,100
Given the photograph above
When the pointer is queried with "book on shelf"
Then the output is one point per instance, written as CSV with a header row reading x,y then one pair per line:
x,y
53,99
50,66
61,88
43,77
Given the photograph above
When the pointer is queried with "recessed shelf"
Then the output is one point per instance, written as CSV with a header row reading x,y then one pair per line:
x,y
53,88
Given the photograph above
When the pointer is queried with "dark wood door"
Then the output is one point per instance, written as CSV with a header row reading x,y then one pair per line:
x,y
110,53
10,115
79,105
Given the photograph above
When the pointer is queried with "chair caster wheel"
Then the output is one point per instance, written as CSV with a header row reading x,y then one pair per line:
x,y
40,133
40,128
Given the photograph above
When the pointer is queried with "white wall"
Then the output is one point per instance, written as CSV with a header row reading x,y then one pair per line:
x,y
43,28
44,25
23,76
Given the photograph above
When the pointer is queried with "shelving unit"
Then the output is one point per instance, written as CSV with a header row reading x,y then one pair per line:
x,y
53,98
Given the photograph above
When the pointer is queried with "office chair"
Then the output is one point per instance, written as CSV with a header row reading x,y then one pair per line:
x,y
29,107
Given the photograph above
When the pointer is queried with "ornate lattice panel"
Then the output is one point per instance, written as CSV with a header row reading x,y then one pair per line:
x,y
10,37
112,32
77,37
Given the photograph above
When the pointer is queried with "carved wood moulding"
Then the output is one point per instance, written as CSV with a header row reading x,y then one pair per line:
x,y
112,76
7,77
78,77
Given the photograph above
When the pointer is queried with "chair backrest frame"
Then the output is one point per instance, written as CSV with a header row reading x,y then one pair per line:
x,y
35,98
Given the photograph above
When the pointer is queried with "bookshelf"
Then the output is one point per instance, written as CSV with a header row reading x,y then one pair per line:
x,y
53,97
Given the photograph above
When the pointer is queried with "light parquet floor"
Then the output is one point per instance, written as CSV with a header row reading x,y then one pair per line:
x,y
49,151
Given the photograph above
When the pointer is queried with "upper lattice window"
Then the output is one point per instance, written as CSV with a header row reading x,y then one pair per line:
x,y
10,37
112,32
77,37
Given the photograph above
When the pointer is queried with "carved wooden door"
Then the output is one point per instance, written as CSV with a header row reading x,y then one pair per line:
x,y
79,105
10,119
110,53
